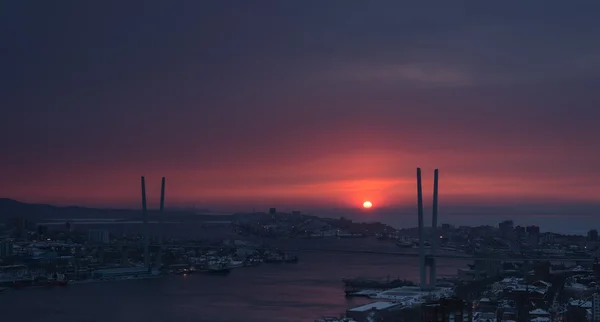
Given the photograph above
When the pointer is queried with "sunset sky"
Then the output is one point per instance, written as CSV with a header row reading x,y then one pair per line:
x,y
299,103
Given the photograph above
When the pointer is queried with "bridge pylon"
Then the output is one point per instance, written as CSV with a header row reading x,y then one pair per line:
x,y
427,260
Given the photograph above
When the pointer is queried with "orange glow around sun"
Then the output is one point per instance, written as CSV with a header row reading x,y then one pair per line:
x,y
367,204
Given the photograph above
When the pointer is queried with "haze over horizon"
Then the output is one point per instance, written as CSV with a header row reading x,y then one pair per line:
x,y
322,104
565,219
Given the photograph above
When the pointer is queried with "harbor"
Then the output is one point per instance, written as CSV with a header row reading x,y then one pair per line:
x,y
365,271
268,292
62,273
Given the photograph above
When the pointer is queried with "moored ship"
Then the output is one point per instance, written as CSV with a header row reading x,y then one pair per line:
x,y
405,244
19,283
354,285
217,269
280,258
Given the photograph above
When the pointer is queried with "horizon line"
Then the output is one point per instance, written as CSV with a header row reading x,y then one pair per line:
x,y
261,208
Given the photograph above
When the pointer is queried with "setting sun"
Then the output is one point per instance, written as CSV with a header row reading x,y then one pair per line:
x,y
367,204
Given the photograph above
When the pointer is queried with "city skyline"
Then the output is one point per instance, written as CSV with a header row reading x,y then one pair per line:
x,y
283,105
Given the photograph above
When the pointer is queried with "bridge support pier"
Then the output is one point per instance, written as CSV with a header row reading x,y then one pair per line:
x,y
432,273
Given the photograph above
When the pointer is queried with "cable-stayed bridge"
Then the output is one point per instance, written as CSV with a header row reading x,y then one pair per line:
x,y
498,257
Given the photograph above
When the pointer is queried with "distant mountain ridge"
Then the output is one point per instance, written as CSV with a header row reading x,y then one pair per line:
x,y
13,208
10,208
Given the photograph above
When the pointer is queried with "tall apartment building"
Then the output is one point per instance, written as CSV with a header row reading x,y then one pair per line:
x,y
596,307
507,230
97,236
6,249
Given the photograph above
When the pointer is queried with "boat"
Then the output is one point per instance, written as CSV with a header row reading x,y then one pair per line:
x,y
335,319
235,263
54,283
381,236
35,282
281,258
293,259
405,244
362,292
354,285
53,280
217,269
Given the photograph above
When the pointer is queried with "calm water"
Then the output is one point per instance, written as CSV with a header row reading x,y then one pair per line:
x,y
267,293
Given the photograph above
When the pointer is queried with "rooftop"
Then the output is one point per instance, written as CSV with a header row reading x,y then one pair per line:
x,y
540,319
374,306
539,312
581,303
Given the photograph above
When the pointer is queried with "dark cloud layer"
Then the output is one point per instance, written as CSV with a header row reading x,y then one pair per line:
x,y
261,90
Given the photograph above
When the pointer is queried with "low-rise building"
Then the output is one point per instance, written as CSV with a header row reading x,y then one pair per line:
x,y
539,313
375,310
596,307
446,310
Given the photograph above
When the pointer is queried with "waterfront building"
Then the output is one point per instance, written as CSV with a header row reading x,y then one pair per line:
x,y
122,272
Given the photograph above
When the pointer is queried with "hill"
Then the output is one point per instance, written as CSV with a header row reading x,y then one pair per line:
x,y
10,208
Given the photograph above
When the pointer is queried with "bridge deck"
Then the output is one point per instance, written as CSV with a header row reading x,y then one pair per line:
x,y
354,251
